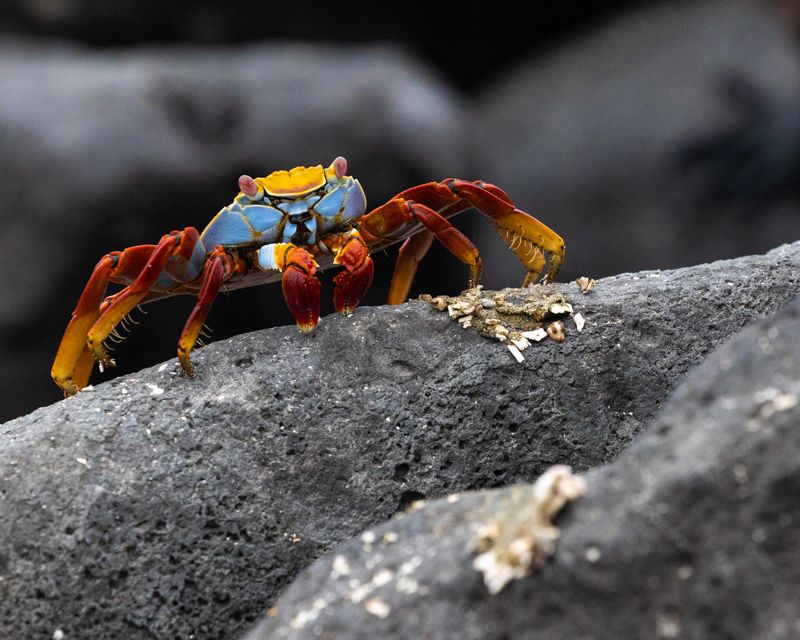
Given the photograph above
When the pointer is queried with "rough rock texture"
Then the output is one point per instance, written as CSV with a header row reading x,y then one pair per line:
x,y
692,533
161,507
588,138
101,151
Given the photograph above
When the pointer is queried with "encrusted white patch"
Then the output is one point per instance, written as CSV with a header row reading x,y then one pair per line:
x,y
522,536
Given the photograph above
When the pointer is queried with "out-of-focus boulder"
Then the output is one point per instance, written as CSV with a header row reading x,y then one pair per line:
x,y
588,138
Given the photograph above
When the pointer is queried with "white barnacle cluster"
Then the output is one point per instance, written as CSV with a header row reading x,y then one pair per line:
x,y
521,536
504,317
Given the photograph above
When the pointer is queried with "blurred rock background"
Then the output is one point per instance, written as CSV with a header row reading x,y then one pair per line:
x,y
648,134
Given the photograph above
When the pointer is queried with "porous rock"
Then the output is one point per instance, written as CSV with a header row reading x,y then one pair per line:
x,y
692,533
157,506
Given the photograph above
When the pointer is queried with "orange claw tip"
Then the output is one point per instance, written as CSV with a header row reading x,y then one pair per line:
x,y
248,186
340,166
302,297
306,328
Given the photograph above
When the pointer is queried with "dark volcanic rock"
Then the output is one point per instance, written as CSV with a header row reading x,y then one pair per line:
x,y
692,533
160,507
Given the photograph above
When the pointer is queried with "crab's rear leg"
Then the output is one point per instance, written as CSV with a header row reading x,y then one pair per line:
x,y
181,248
74,360
401,212
411,252
526,236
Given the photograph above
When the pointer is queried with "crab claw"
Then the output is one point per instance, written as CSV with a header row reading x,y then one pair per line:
x,y
301,288
351,287
352,283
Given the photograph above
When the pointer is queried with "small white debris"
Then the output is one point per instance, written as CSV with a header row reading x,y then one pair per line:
x,y
559,308
579,321
667,627
407,585
303,618
87,389
58,634
685,572
384,576
488,304
520,343
389,537
357,595
377,608
785,401
163,367
593,554
155,389
453,498
410,567
82,461
340,567
368,537
516,352
537,335
585,284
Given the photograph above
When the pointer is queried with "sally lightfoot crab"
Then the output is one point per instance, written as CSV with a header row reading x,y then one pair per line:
x,y
286,227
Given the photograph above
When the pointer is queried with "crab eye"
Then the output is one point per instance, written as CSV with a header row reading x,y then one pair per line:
x,y
340,166
248,186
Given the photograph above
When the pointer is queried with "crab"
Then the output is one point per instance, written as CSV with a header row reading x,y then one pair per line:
x,y
286,227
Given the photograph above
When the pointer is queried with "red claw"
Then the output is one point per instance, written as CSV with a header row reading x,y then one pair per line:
x,y
302,297
353,282
351,287
301,288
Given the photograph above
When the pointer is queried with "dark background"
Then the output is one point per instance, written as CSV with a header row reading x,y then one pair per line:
x,y
469,42
723,185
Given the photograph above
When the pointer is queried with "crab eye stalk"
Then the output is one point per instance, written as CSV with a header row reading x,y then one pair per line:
x,y
249,187
340,166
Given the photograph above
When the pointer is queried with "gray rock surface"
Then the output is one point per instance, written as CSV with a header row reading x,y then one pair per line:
x,y
587,137
692,533
104,150
160,507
